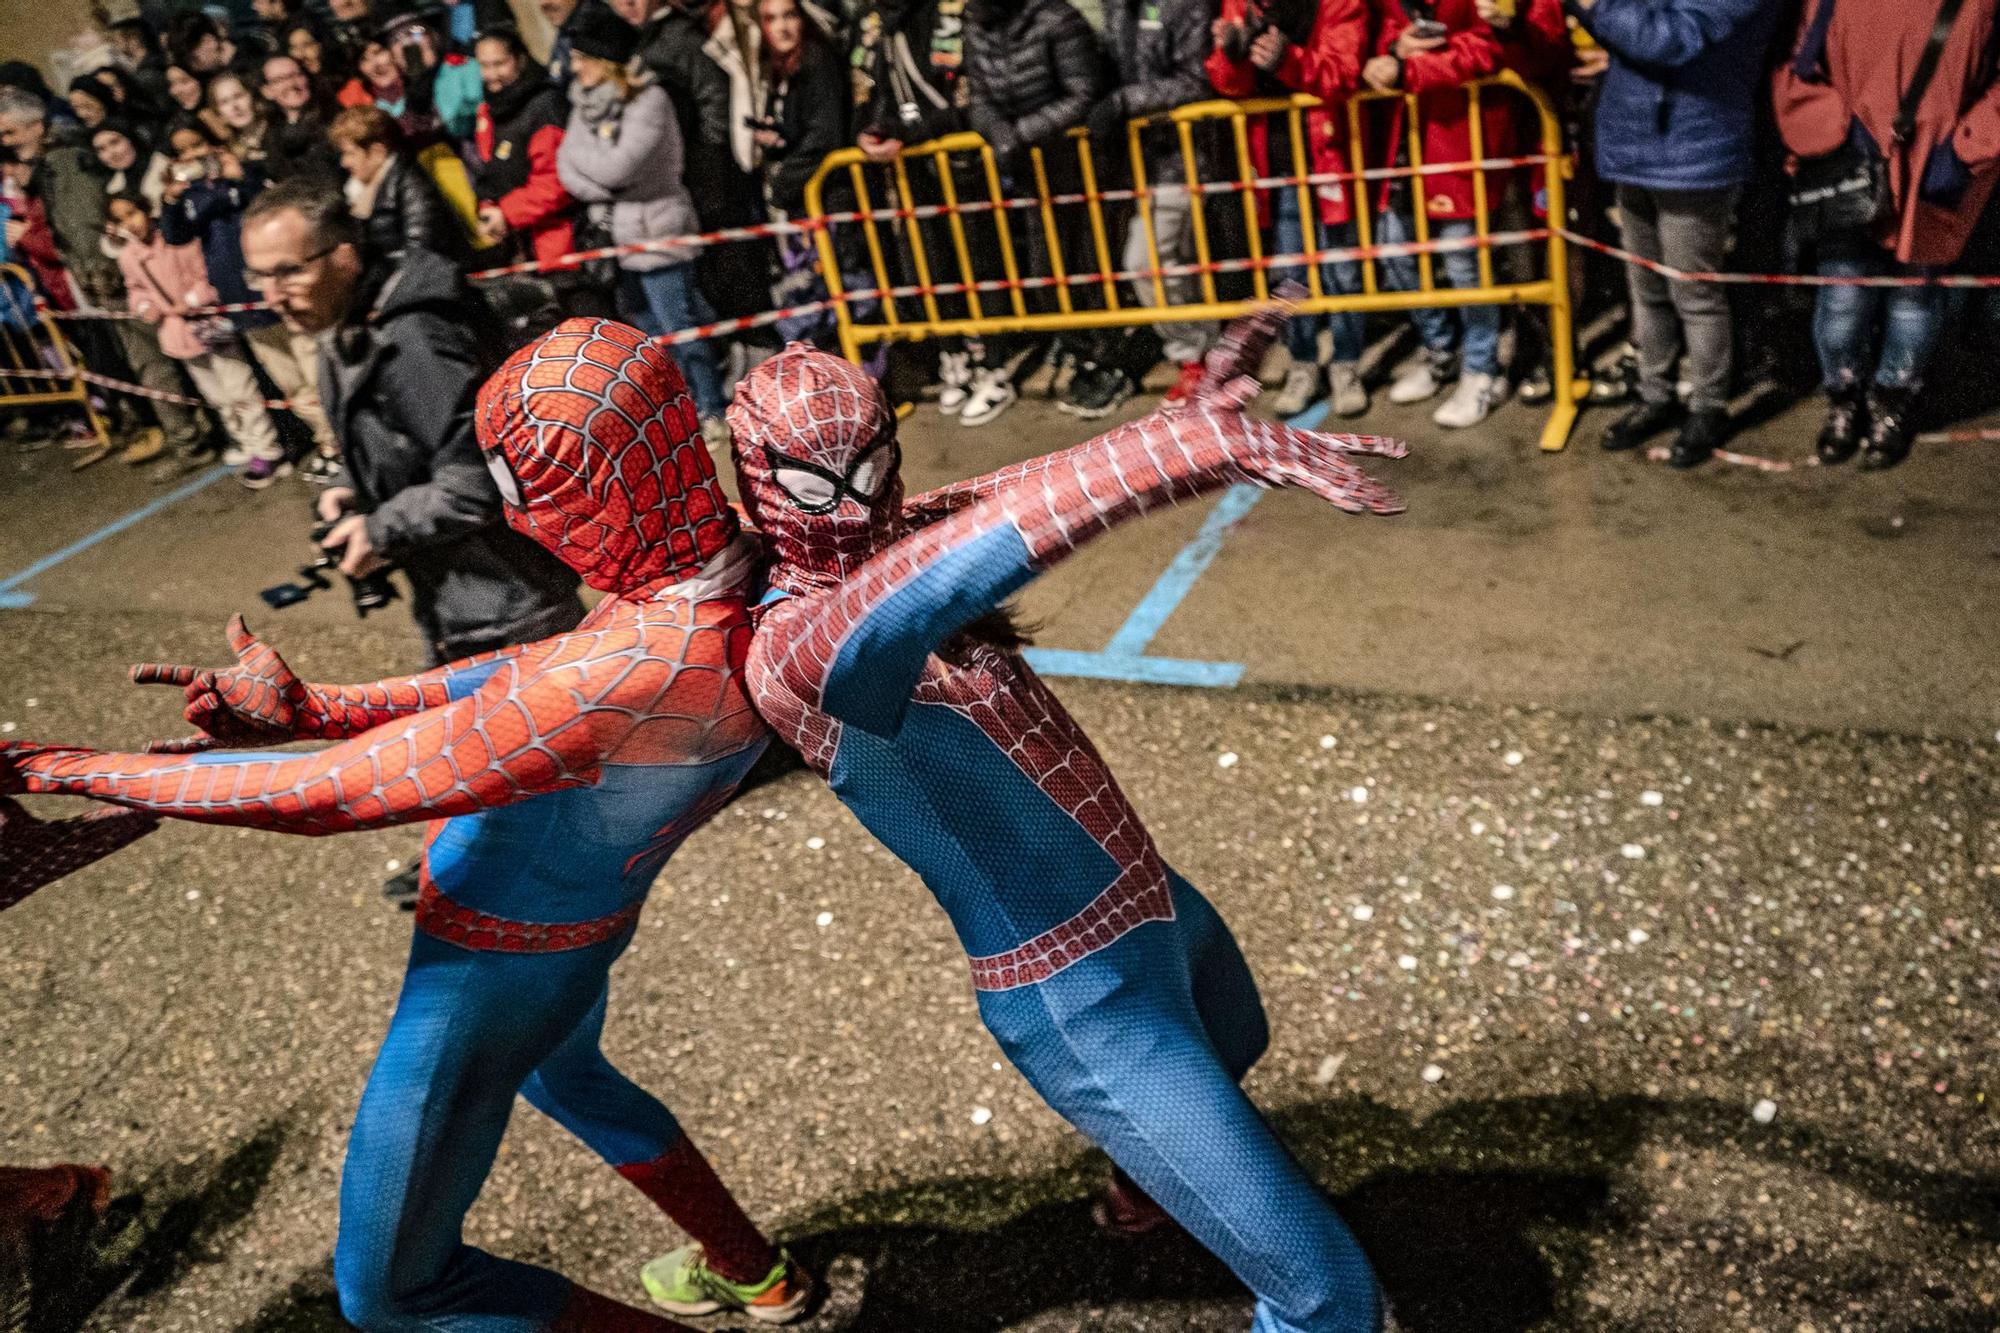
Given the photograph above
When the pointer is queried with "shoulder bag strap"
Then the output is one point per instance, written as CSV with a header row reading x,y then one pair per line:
x,y
1809,65
1906,114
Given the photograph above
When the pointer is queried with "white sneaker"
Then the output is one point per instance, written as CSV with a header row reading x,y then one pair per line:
x,y
235,456
955,378
1423,379
715,434
1301,386
991,394
1474,398
1350,396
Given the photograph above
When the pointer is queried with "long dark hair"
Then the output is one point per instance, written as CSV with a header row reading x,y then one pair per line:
x,y
1003,628
132,101
811,40
334,67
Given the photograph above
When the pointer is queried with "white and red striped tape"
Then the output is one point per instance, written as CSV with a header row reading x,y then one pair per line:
x,y
1775,279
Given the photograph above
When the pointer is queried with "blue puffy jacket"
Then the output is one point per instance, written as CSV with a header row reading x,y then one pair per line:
x,y
1679,102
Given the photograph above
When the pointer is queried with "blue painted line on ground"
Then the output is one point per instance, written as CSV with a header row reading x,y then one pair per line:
x,y
1124,657
1173,586
11,598
1135,669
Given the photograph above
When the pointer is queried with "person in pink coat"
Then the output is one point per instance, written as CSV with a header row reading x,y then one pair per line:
x,y
1850,68
164,284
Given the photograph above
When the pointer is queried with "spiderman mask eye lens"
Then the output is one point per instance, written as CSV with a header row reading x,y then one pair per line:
x,y
870,475
808,490
503,477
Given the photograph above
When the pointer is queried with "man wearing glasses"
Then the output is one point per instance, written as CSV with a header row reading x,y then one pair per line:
x,y
401,359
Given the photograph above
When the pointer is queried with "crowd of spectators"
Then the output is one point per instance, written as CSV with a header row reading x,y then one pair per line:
x,y
647,120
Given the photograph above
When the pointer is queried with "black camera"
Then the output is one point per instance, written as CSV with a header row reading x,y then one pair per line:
x,y
371,592
1238,38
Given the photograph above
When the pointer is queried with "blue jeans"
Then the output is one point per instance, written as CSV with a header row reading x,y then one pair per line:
x,y
673,302
1439,328
1844,317
1302,332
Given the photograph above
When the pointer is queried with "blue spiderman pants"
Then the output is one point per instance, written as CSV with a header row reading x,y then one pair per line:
x,y
471,1029
1141,1046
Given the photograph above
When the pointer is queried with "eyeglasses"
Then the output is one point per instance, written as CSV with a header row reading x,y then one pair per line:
x,y
284,275
285,81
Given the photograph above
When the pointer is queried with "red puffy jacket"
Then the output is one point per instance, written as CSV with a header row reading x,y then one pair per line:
x,y
515,141
1470,51
1328,66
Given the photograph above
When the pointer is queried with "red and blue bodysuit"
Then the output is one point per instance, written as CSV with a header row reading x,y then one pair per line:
x,y
626,733
1107,979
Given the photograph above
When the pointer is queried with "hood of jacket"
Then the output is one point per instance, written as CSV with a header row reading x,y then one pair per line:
x,y
421,281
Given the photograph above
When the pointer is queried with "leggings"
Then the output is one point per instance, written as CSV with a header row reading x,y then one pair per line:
x,y
1141,1046
471,1029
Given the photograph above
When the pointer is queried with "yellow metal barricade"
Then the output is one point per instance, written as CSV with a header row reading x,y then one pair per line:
x,y
997,300
24,334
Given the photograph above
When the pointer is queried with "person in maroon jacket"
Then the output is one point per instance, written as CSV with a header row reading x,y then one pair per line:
x,y
1273,48
1850,71
1431,50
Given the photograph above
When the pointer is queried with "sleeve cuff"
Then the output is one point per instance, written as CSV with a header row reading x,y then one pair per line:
x,y
380,535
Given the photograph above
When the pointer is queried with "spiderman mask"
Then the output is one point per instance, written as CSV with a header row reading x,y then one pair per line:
x,y
596,448
818,464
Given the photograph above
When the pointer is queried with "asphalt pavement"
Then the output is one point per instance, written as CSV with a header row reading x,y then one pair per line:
x,y
1616,850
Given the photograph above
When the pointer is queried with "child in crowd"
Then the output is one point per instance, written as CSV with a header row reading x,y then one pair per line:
x,y
165,284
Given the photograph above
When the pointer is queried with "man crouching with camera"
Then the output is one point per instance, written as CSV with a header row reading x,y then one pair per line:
x,y
401,359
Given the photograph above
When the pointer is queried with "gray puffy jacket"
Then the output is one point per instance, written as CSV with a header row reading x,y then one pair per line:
x,y
626,158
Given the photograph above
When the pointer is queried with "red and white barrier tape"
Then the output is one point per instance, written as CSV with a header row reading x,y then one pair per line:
x,y
123,386
766,230
1659,452
737,325
1335,255
1774,279
240,308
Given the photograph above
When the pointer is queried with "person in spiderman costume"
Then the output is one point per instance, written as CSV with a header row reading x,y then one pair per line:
x,y
1105,976
561,776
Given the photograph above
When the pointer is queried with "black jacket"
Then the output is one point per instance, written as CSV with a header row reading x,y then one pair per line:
x,y
1032,66
811,111
670,46
1160,63
398,380
910,56
409,212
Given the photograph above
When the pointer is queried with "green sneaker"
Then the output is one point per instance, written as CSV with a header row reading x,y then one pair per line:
x,y
681,1282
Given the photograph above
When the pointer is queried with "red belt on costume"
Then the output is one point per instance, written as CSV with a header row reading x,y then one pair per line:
x,y
455,923
1134,898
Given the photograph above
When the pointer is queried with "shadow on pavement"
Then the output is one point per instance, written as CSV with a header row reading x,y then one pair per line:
x,y
1479,1218
147,1238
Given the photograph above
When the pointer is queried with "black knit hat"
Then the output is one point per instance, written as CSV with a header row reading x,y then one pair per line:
x,y
596,31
